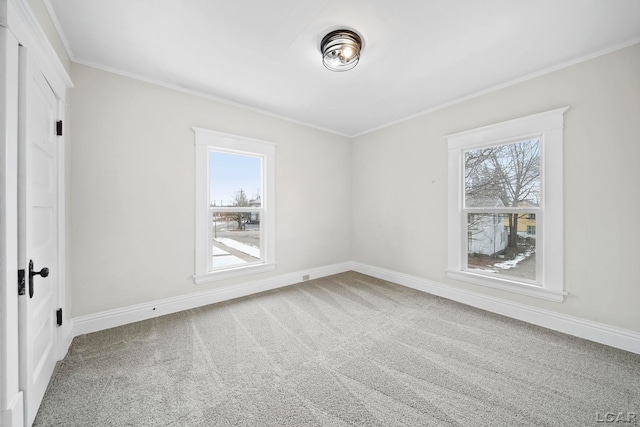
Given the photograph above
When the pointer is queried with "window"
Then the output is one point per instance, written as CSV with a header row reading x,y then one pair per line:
x,y
234,206
505,205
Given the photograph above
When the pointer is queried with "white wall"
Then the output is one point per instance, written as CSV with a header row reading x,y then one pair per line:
x,y
132,190
399,182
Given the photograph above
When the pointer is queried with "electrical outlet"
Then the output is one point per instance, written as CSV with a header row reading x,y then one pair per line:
x,y
305,277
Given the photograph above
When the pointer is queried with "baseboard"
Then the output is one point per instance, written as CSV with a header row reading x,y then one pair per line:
x,y
593,331
65,336
13,416
121,316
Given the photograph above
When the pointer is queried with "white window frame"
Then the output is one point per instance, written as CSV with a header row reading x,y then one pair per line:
x,y
548,127
205,142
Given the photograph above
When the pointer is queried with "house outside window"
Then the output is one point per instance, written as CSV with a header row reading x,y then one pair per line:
x,y
234,206
505,205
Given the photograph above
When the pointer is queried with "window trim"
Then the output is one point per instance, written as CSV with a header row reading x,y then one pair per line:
x,y
548,126
205,141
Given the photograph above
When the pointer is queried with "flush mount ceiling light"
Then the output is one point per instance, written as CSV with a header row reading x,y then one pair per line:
x,y
341,50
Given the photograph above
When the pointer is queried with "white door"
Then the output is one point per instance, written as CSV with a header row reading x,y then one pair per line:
x,y
37,234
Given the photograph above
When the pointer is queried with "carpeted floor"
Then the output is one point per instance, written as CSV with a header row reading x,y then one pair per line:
x,y
342,350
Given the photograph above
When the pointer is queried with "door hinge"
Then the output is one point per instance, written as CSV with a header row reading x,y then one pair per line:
x,y
21,283
59,316
59,128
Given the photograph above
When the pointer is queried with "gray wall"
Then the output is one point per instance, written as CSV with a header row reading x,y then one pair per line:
x,y
132,190
399,182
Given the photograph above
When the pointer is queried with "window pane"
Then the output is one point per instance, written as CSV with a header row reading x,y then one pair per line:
x,y
235,238
502,244
234,180
503,176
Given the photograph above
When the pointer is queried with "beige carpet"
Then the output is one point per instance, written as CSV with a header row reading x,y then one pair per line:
x,y
343,350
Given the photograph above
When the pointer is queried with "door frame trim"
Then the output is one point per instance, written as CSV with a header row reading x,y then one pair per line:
x,y
11,399
19,26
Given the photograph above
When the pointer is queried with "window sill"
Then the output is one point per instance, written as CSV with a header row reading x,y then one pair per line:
x,y
508,285
230,273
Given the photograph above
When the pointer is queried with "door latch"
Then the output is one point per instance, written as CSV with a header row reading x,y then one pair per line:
x,y
21,284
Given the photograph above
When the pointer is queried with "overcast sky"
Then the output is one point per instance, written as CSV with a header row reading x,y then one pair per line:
x,y
228,173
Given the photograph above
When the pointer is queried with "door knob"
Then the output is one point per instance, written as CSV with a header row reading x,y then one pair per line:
x,y
43,273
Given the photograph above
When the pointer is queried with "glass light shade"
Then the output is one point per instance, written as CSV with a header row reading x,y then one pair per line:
x,y
340,50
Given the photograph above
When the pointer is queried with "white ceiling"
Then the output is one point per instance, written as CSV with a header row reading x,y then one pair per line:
x,y
418,54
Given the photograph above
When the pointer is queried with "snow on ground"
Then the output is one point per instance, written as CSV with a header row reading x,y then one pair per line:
x,y
227,261
505,265
216,251
486,270
242,247
222,258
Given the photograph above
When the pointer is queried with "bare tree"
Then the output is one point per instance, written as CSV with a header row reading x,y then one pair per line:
x,y
240,200
480,179
504,176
